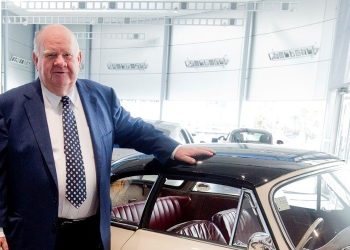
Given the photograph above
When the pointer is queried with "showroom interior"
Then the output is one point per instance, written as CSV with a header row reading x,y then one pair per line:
x,y
211,66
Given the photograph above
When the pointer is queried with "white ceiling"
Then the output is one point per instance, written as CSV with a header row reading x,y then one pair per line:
x,y
137,8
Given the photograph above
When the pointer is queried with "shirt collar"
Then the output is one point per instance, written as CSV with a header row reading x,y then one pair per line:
x,y
55,100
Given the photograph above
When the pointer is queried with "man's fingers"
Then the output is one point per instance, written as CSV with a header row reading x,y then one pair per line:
x,y
205,151
3,243
191,155
187,159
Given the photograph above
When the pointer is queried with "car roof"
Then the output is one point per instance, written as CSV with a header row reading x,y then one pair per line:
x,y
251,130
248,164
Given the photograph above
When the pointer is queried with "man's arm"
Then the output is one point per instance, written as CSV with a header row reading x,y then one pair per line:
x,y
3,205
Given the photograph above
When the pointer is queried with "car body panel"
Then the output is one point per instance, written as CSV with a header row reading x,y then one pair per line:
x,y
148,240
119,237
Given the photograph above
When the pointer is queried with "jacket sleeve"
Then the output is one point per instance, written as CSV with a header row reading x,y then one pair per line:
x,y
134,133
3,156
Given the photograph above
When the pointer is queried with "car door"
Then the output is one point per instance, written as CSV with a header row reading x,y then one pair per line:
x,y
176,213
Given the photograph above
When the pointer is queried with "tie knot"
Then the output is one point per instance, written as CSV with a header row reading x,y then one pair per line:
x,y
65,100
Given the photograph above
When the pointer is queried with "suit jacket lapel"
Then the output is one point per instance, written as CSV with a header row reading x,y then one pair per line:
x,y
90,105
35,110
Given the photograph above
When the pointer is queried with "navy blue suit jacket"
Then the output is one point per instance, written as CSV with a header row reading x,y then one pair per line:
x,y
28,180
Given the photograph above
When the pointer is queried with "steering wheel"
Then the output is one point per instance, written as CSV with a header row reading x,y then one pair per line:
x,y
307,235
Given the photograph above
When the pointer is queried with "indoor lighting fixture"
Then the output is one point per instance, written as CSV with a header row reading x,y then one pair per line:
x,y
117,36
86,20
152,5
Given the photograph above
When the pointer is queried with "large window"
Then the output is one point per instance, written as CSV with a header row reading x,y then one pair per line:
x,y
297,124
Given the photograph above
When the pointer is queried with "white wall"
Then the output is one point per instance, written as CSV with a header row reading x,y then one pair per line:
x,y
129,84
310,24
205,42
20,44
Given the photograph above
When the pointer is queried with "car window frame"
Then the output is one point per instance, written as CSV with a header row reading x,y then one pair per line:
x,y
148,201
331,167
154,193
259,215
144,222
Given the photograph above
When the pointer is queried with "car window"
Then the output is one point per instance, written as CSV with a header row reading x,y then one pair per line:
x,y
204,211
251,137
320,202
128,197
184,137
248,223
175,183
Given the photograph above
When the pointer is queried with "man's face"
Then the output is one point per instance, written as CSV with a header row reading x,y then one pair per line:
x,y
57,60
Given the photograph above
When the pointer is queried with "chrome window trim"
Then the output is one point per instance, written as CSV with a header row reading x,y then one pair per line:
x,y
256,207
237,216
332,166
125,223
119,224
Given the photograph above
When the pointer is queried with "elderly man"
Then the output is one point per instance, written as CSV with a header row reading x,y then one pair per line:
x,y
56,140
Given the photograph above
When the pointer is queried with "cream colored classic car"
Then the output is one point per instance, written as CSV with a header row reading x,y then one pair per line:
x,y
247,196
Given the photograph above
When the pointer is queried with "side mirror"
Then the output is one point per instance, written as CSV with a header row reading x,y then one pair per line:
x,y
260,241
280,142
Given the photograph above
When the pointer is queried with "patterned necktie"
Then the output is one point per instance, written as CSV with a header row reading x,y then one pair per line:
x,y
75,172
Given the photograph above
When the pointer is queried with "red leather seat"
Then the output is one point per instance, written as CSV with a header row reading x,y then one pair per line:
x,y
131,212
225,221
168,210
247,225
202,229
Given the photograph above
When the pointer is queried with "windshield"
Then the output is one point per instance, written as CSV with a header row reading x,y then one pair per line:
x,y
251,137
315,210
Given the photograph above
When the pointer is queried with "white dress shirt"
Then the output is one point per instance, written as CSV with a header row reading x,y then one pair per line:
x,y
53,110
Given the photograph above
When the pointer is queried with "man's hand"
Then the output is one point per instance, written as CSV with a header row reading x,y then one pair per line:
x,y
3,243
190,154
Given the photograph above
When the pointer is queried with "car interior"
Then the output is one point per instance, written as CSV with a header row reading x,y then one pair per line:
x,y
188,208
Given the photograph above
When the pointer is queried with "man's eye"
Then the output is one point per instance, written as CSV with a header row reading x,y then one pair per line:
x,y
50,55
68,55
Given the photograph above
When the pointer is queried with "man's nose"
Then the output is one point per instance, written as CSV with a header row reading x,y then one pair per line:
x,y
60,61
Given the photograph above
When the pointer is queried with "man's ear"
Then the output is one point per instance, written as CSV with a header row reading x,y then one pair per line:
x,y
35,60
80,60
80,57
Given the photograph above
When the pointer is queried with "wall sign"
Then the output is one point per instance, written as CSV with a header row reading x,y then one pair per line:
x,y
212,62
127,66
293,53
20,61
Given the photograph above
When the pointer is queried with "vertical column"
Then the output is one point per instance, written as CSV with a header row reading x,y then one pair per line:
x,y
1,58
165,66
5,49
337,78
245,66
87,55
36,29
